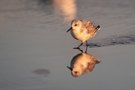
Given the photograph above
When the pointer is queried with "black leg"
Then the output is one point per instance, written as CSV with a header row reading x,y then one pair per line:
x,y
78,46
80,50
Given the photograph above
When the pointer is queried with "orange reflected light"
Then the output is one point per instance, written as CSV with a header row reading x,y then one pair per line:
x,y
66,8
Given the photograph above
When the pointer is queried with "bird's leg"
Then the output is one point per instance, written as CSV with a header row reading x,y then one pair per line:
x,y
80,50
86,47
78,46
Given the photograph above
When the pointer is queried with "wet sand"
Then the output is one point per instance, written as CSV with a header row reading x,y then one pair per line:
x,y
35,48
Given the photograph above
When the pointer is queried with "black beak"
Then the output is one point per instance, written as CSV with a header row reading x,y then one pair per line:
x,y
69,68
69,29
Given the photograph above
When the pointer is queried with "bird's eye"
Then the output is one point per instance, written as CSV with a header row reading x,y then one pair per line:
x,y
75,72
76,24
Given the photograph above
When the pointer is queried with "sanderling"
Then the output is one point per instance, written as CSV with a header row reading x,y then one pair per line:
x,y
82,63
83,30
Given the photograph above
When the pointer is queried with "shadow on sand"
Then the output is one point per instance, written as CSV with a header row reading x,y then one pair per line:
x,y
114,40
43,72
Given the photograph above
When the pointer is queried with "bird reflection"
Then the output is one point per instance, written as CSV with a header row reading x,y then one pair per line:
x,y
82,63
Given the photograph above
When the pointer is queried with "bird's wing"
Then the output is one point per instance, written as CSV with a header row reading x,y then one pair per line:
x,y
86,23
91,66
89,26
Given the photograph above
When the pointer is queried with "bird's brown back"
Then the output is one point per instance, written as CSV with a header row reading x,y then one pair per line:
x,y
89,26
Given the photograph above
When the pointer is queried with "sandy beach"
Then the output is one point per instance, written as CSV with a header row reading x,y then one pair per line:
x,y
35,47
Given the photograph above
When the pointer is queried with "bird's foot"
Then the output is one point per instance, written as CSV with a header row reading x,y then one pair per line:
x,y
78,48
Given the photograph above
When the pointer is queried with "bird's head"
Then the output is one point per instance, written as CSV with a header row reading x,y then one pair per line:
x,y
76,24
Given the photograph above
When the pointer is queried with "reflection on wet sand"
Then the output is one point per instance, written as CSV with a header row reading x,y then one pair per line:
x,y
66,8
82,63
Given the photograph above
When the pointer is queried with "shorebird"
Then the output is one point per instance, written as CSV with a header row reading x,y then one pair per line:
x,y
83,30
82,63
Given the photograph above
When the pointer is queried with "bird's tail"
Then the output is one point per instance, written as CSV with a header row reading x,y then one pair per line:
x,y
98,27
98,61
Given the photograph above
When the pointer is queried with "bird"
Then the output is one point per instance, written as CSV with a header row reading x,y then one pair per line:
x,y
82,63
83,30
